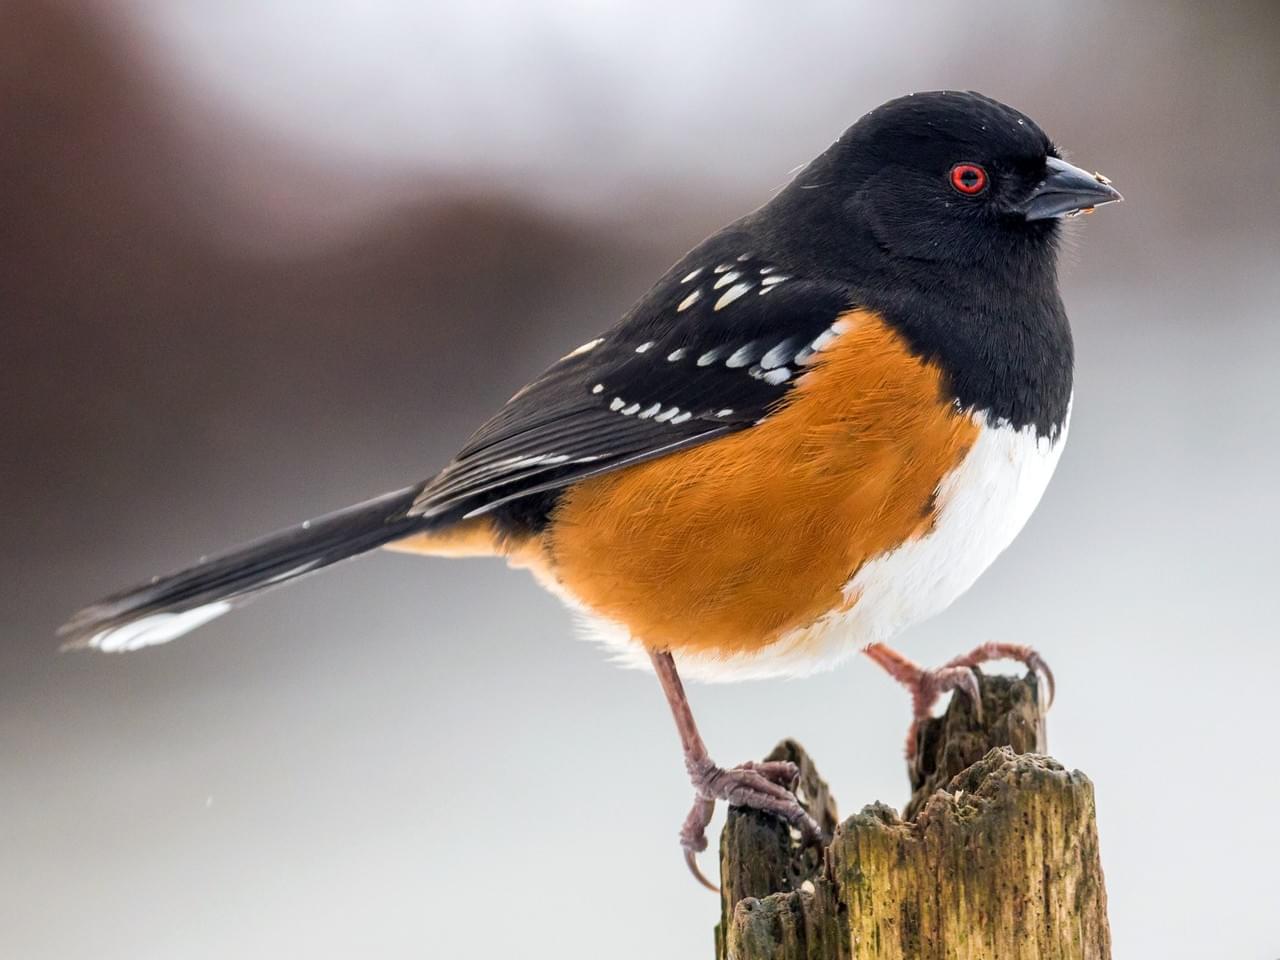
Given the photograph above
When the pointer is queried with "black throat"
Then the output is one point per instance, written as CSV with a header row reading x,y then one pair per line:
x,y
1003,341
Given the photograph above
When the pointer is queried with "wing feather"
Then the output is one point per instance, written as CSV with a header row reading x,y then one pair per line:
x,y
662,380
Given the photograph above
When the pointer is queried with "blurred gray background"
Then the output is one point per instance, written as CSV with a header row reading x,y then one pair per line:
x,y
260,260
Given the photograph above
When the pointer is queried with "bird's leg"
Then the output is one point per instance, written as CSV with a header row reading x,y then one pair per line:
x,y
761,786
927,685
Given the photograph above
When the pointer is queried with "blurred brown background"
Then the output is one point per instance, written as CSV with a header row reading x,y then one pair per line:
x,y
260,260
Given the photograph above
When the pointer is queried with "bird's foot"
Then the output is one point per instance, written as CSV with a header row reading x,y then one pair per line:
x,y
927,685
764,786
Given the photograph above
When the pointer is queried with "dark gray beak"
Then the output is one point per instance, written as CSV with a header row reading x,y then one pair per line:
x,y
1067,190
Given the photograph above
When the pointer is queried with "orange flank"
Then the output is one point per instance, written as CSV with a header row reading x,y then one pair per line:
x,y
723,548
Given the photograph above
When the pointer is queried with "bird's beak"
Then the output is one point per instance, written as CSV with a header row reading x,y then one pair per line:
x,y
1067,190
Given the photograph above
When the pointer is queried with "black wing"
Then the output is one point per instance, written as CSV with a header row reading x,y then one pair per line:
x,y
708,351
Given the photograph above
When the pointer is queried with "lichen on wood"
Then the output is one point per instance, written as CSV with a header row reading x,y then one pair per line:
x,y
998,861
1012,715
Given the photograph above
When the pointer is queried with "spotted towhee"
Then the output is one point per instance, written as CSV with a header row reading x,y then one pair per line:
x,y
818,428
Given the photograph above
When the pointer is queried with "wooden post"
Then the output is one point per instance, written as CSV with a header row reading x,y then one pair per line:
x,y
997,859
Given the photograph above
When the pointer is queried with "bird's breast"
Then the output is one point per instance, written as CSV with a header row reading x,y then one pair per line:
x,y
866,501
981,506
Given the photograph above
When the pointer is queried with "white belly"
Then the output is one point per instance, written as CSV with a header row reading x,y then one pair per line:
x,y
982,505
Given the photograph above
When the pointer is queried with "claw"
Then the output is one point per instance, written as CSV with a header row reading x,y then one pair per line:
x,y
1036,663
691,861
757,786
1025,655
962,679
693,837
967,682
956,674
766,786
782,772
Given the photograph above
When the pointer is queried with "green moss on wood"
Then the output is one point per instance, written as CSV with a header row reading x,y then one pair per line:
x,y
997,859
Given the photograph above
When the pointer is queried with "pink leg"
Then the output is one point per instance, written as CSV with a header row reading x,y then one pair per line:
x,y
760,786
926,686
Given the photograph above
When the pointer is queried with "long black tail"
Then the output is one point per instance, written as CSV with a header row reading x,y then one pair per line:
x,y
170,606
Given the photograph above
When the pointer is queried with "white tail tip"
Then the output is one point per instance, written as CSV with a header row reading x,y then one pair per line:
x,y
154,629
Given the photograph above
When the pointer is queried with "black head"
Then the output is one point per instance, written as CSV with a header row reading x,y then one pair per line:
x,y
948,176
940,212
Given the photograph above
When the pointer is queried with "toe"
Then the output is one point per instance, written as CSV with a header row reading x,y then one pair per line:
x,y
741,787
965,680
782,772
1036,663
942,680
693,832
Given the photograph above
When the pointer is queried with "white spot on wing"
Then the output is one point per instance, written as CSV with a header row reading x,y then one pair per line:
x,y
727,279
732,294
586,347
777,376
691,275
598,388
644,346
722,267
826,338
666,415
648,412
777,356
776,278
676,354
628,411
688,301
617,403
742,356
682,418
725,412
710,357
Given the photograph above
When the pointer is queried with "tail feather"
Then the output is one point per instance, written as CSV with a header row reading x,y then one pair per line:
x,y
170,606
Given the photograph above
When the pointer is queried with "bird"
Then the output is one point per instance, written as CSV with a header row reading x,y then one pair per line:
x,y
815,430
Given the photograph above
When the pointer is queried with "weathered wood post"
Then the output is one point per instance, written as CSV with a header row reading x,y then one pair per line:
x,y
996,859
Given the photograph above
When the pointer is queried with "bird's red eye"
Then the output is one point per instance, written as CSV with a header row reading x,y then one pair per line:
x,y
969,178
